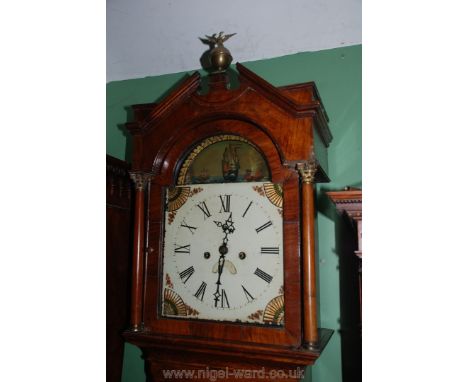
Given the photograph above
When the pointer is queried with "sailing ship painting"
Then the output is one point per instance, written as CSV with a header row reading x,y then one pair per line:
x,y
228,161
204,176
253,175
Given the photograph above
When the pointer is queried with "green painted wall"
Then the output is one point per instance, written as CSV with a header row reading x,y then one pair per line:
x,y
337,73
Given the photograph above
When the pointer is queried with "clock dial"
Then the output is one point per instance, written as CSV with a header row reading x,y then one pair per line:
x,y
223,253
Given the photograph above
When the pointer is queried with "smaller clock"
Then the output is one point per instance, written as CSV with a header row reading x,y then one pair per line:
x,y
223,253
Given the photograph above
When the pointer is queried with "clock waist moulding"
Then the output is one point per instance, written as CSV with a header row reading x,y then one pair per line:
x,y
288,126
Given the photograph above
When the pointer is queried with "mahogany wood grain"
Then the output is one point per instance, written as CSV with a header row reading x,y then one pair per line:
x,y
289,124
308,266
154,322
183,353
140,179
118,261
282,124
137,275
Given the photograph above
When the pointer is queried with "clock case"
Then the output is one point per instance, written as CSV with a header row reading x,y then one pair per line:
x,y
288,125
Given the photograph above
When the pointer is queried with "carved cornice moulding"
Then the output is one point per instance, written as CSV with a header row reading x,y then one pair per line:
x,y
348,201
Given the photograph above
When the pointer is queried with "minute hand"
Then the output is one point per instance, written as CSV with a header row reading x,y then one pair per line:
x,y
222,250
228,228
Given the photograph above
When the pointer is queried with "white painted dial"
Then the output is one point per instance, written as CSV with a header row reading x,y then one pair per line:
x,y
223,252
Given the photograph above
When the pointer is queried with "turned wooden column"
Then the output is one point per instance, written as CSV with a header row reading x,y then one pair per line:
x,y
307,172
141,180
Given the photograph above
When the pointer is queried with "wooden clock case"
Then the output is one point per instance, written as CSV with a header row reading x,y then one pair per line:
x,y
289,126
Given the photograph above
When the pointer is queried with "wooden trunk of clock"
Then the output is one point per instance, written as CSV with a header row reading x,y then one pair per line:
x,y
288,127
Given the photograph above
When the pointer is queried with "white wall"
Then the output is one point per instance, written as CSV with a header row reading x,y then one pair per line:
x,y
153,37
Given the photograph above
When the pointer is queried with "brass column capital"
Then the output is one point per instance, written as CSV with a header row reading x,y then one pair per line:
x,y
141,179
307,171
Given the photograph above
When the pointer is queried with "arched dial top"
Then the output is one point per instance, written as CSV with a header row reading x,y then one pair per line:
x,y
224,159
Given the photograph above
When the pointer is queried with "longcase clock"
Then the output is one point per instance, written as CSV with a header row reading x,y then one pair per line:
x,y
223,262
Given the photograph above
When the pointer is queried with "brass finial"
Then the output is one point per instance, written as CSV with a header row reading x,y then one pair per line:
x,y
220,57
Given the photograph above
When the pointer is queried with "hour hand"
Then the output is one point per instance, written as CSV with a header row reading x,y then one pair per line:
x,y
227,226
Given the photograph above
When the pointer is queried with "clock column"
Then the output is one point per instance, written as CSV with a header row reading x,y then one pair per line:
x,y
141,180
307,172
